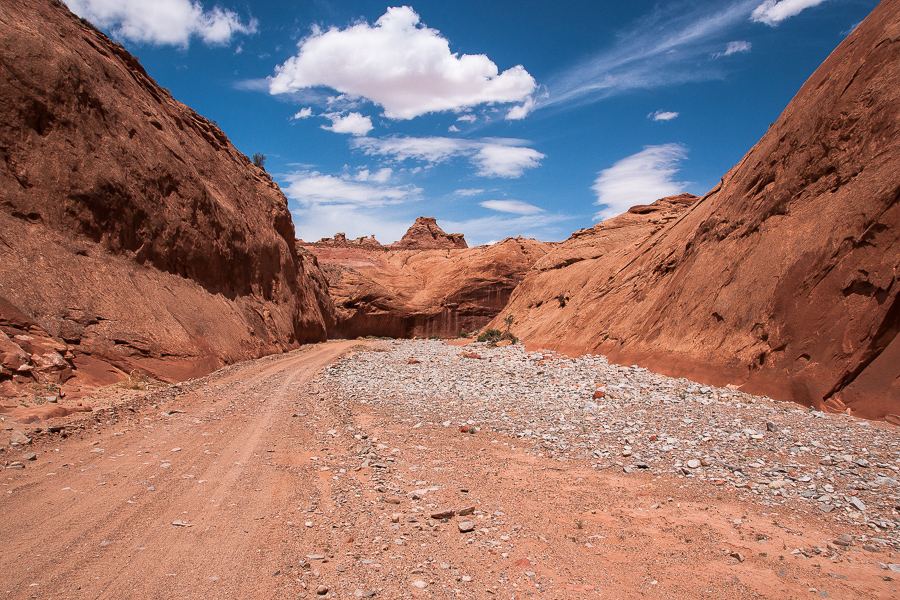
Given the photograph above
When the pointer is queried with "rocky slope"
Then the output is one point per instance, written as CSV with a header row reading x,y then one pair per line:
x,y
428,283
783,278
133,235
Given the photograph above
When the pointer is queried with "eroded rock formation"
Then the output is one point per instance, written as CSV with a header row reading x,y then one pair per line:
x,y
133,235
784,278
429,283
425,234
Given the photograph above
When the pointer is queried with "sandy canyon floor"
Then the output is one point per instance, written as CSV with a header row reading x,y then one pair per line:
x,y
422,470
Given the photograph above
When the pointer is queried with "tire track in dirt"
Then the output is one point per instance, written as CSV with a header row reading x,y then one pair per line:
x,y
289,482
118,539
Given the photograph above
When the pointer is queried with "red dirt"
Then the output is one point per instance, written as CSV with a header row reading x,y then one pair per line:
x,y
257,490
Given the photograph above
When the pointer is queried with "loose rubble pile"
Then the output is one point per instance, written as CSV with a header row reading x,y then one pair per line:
x,y
627,418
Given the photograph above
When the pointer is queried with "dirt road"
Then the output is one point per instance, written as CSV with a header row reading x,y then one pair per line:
x,y
256,482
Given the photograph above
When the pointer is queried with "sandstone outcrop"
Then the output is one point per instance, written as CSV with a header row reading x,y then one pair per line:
x,y
428,286
425,234
133,235
782,279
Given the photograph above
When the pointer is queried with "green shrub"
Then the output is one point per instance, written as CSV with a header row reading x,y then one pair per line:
x,y
490,335
259,159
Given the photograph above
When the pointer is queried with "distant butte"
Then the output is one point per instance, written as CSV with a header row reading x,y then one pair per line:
x,y
424,234
428,283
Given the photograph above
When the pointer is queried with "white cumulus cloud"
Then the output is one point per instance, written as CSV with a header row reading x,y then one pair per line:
x,y
492,157
663,115
353,123
379,176
304,113
773,12
641,178
516,207
405,68
163,22
517,113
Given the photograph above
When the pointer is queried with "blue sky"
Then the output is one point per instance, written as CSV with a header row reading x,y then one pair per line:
x,y
528,118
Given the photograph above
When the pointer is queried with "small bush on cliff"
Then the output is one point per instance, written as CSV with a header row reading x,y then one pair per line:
x,y
490,335
259,159
135,381
508,336
509,320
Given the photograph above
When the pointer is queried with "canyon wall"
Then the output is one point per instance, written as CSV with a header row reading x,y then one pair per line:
x,y
133,235
784,278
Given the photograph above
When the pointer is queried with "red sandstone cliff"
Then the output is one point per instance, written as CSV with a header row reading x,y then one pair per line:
x,y
133,235
784,278
429,283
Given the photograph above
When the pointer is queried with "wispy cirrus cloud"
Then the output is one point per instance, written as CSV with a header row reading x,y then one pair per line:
x,y
544,225
492,157
312,223
360,203
641,178
500,160
311,188
663,115
773,12
733,48
402,66
163,22
516,207
670,46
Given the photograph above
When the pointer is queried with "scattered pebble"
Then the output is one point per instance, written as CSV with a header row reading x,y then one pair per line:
x,y
626,417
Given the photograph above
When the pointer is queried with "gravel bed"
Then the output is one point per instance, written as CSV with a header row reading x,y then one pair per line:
x,y
629,419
